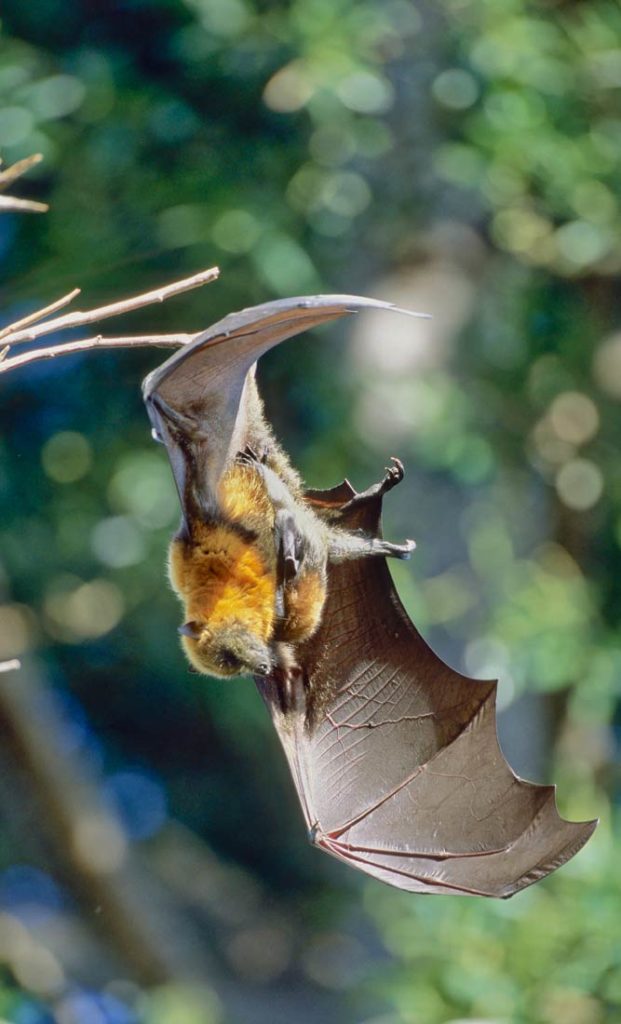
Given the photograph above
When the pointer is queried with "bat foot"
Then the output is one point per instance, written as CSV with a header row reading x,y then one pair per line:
x,y
404,551
394,475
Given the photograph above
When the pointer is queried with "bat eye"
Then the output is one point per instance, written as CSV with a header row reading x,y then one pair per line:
x,y
229,660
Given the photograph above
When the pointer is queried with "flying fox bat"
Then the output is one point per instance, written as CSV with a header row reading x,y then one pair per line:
x,y
394,755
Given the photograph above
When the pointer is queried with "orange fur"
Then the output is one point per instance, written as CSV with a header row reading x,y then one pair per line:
x,y
243,499
226,580
221,577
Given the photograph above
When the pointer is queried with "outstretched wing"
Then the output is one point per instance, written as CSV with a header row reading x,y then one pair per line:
x,y
197,399
395,756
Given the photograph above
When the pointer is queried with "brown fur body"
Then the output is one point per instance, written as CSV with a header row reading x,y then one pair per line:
x,y
225,572
251,571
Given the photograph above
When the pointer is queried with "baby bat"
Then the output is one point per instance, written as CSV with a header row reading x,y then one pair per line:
x,y
394,755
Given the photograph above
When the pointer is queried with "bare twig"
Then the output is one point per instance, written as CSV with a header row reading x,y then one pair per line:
x,y
10,666
22,205
10,174
96,342
80,318
22,331
39,314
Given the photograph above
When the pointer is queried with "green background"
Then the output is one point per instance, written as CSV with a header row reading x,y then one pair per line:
x,y
458,157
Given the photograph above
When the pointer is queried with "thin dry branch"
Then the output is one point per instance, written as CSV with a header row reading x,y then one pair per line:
x,y
39,314
8,176
96,342
22,205
22,331
81,318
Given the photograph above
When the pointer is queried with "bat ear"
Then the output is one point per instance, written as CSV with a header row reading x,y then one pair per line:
x,y
191,629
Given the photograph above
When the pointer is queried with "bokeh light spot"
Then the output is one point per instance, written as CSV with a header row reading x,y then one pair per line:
x,y
143,486
38,970
284,265
84,612
289,89
118,542
56,96
182,1004
607,365
66,457
574,417
225,18
455,89
549,446
581,242
16,124
99,843
236,231
346,193
186,224
579,484
594,201
520,230
366,93
17,623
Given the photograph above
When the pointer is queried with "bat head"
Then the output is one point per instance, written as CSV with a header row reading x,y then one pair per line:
x,y
225,651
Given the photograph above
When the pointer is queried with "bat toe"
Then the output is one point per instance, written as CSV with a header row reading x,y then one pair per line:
x,y
408,548
394,475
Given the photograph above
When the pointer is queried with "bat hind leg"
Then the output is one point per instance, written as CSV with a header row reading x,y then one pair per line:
x,y
393,476
346,546
384,547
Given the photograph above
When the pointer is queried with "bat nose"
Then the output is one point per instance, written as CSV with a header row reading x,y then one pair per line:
x,y
264,668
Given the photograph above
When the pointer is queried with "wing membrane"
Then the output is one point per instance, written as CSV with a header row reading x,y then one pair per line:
x,y
205,381
396,756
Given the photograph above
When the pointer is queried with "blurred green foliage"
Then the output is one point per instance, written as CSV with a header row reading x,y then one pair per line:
x,y
537,90
551,956
461,158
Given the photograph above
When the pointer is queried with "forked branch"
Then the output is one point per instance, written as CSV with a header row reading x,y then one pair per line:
x,y
8,176
31,328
